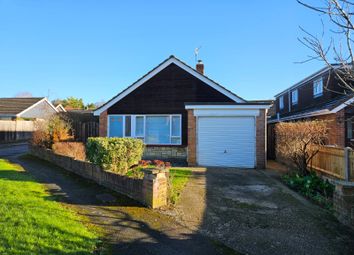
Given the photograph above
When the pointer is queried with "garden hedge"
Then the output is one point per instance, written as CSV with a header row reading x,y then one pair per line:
x,y
115,154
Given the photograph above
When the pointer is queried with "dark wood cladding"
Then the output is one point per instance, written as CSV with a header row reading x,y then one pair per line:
x,y
306,100
166,93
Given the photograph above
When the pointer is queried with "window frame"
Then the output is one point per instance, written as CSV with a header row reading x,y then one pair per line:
x,y
281,102
314,86
292,97
133,126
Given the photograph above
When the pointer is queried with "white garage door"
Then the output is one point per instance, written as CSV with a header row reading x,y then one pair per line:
x,y
226,141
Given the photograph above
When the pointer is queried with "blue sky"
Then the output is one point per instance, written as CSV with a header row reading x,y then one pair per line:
x,y
94,49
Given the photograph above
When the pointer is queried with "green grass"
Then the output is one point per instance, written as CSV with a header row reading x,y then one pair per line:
x,y
31,222
179,179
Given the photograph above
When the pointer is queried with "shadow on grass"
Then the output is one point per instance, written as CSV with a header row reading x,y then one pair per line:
x,y
129,227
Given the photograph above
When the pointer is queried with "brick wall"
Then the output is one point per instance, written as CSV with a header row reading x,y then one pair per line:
x,y
103,124
261,145
336,126
192,140
152,190
343,203
175,154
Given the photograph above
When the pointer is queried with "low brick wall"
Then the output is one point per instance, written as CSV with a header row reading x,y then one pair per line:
x,y
168,153
343,203
151,190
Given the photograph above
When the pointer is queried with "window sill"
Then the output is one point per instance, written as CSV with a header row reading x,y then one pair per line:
x,y
318,95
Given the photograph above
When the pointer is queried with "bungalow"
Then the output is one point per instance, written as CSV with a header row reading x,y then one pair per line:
x,y
25,107
181,114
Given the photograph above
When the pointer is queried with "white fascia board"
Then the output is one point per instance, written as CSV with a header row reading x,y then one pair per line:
x,y
159,69
208,81
225,112
342,106
34,105
300,116
226,107
61,107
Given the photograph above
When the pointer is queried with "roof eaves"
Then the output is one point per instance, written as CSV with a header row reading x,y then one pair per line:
x,y
306,79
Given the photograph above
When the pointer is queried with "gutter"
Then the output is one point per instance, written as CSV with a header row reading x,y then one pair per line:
x,y
299,116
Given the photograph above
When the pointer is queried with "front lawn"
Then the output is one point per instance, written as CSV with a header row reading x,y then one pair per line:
x,y
178,179
33,223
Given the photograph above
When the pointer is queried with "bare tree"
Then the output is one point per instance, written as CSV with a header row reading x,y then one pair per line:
x,y
300,141
339,48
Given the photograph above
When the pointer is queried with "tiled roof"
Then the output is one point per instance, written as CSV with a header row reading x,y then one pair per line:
x,y
13,106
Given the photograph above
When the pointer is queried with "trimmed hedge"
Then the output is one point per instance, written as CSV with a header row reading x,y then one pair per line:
x,y
115,154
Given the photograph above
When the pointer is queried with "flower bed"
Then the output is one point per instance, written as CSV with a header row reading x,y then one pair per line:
x,y
312,187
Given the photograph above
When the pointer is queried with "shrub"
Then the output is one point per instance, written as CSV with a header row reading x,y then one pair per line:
x,y
300,141
75,150
312,187
115,154
54,129
59,128
41,136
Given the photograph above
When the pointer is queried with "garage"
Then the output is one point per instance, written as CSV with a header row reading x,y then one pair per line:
x,y
226,141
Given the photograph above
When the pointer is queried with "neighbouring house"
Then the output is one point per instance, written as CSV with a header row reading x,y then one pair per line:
x,y
26,108
17,115
318,96
60,108
182,115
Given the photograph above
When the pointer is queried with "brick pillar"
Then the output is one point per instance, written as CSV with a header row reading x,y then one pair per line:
x,y
155,188
261,144
192,140
343,203
103,124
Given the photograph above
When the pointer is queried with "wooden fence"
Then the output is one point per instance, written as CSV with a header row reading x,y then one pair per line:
x,y
336,162
84,124
15,130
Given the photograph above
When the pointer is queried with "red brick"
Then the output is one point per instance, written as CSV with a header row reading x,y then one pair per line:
x,y
103,124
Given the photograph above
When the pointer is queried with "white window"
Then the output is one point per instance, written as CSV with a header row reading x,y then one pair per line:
x,y
281,102
294,96
318,87
152,129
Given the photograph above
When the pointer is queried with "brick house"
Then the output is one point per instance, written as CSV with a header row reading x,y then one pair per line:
x,y
319,96
182,115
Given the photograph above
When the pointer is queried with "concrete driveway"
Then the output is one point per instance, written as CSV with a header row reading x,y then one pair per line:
x,y
255,214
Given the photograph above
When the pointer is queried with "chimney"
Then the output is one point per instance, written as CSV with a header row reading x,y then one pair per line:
x,y
200,67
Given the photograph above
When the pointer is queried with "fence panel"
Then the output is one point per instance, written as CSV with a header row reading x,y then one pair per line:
x,y
15,130
330,160
351,165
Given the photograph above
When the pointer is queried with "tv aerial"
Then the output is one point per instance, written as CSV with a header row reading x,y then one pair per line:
x,y
196,53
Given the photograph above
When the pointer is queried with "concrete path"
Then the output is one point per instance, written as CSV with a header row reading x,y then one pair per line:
x,y
256,214
129,227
